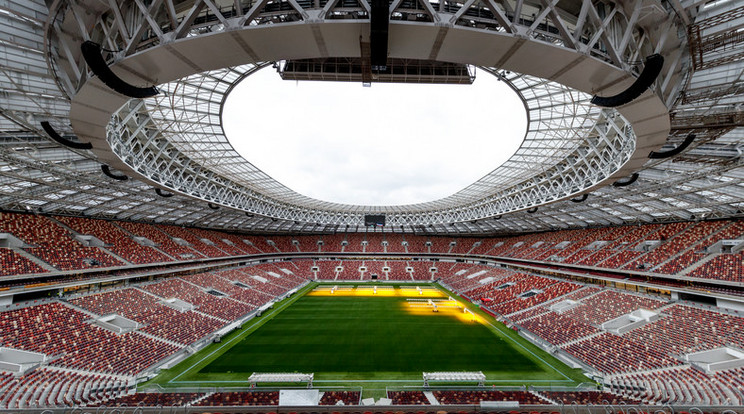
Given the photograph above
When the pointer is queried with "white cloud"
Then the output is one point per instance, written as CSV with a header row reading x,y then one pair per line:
x,y
385,145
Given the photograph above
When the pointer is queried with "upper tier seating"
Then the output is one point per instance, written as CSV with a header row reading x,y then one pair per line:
x,y
464,245
355,242
687,236
261,244
235,247
417,244
161,240
374,243
308,243
52,243
194,242
440,244
284,244
12,263
333,243
118,241
722,267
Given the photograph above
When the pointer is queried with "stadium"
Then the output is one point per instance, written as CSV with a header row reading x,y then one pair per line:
x,y
148,265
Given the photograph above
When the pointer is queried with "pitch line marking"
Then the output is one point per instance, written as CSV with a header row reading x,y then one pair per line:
x,y
174,379
255,321
523,347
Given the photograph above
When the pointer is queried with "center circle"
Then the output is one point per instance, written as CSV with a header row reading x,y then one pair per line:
x,y
388,144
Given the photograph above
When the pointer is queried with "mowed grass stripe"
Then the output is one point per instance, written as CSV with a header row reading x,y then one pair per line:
x,y
396,344
370,335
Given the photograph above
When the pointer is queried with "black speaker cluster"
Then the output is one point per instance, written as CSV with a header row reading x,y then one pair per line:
x,y
106,170
93,57
62,140
378,36
650,72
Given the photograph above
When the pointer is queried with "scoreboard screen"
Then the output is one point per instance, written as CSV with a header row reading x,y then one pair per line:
x,y
374,219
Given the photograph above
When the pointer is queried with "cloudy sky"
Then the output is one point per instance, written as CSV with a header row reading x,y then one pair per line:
x,y
382,145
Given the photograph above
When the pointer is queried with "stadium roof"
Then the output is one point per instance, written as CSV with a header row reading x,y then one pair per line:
x,y
573,148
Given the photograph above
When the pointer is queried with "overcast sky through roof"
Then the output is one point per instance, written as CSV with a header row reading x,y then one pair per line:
x,y
388,144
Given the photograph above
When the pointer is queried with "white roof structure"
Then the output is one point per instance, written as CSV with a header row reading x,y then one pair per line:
x,y
554,56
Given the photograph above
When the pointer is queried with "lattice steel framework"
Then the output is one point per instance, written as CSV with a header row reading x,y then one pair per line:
x,y
705,181
182,145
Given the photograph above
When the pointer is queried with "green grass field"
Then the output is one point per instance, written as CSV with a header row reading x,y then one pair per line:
x,y
348,340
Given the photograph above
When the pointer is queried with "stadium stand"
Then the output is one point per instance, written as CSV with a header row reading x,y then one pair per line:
x,y
153,399
261,244
159,320
421,270
350,270
586,397
117,241
235,247
558,329
333,243
56,330
249,398
374,267
612,354
374,243
53,244
54,387
398,270
345,397
682,385
162,241
476,397
355,242
308,244
408,398
208,250
610,304
12,263
224,308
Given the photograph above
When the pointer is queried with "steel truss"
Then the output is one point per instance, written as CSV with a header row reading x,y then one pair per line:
x,y
39,175
575,147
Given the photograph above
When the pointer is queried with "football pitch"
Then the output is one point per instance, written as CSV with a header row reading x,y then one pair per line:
x,y
356,337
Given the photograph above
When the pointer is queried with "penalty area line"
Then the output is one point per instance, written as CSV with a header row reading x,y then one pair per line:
x,y
523,347
533,354
255,321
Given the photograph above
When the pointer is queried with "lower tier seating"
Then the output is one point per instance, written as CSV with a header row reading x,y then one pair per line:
x,y
220,399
